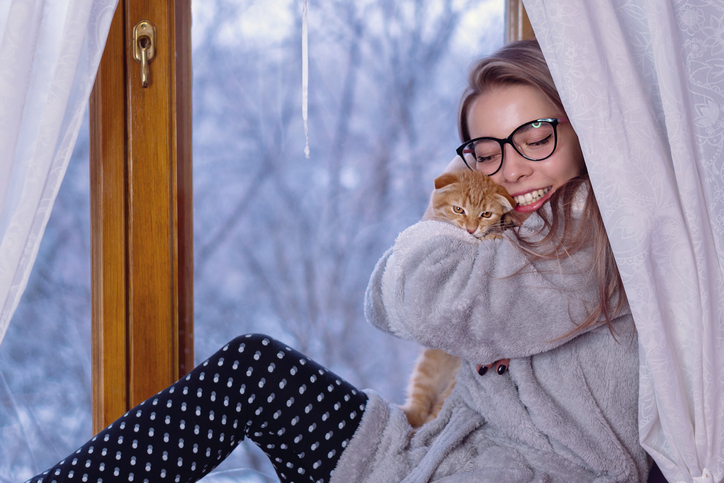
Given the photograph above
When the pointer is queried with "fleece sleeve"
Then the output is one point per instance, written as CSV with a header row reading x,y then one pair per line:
x,y
480,300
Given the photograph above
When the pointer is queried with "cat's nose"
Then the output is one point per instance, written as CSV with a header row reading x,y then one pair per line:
x,y
471,229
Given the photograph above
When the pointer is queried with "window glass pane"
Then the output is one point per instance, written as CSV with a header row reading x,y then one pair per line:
x,y
284,243
45,357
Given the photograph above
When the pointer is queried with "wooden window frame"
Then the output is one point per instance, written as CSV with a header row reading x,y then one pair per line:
x,y
141,207
517,23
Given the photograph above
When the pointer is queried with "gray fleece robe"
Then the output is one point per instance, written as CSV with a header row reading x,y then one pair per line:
x,y
566,411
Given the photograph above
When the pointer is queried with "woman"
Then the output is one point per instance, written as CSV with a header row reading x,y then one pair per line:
x,y
547,298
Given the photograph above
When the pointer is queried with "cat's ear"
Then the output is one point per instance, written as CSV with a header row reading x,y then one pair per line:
x,y
506,201
446,179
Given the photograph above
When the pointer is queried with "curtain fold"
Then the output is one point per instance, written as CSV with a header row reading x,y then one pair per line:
x,y
643,84
49,55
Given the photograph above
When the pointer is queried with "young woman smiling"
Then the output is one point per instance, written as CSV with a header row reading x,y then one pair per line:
x,y
545,301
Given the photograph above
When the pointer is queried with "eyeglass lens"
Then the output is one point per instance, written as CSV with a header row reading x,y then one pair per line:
x,y
534,141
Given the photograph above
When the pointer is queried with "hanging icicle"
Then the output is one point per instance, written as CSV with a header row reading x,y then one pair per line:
x,y
305,77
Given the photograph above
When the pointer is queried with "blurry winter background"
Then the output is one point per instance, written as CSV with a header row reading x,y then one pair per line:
x,y
284,244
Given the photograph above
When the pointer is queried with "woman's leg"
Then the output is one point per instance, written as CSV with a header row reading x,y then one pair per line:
x,y
301,415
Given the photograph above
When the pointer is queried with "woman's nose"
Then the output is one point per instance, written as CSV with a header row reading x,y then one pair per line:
x,y
514,166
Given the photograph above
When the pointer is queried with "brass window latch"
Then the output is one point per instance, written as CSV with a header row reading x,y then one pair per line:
x,y
144,47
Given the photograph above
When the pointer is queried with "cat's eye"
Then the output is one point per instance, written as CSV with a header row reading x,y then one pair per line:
x,y
486,214
458,210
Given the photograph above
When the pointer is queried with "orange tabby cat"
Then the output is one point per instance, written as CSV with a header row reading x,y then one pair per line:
x,y
472,201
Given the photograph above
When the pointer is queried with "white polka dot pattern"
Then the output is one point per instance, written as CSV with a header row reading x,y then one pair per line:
x,y
301,415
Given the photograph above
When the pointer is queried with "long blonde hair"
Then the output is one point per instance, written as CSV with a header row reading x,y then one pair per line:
x,y
522,63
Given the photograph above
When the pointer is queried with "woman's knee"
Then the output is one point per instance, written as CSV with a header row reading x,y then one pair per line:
x,y
253,342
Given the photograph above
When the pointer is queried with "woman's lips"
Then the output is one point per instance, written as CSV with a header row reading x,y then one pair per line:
x,y
532,200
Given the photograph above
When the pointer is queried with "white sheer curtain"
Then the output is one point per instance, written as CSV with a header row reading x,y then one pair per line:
x,y
49,55
643,84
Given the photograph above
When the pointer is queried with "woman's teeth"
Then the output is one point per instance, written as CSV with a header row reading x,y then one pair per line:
x,y
532,196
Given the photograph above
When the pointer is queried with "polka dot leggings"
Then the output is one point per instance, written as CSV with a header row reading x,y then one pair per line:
x,y
300,414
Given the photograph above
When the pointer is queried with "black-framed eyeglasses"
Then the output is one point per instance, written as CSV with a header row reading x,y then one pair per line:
x,y
534,140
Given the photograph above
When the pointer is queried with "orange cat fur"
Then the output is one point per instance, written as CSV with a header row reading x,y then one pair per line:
x,y
473,202
431,382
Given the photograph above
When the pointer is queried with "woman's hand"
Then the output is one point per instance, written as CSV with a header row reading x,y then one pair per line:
x,y
500,367
456,164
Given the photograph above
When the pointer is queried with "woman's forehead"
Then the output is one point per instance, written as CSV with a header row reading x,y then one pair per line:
x,y
498,111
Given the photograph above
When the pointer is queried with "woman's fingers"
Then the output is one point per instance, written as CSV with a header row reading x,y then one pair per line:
x,y
499,366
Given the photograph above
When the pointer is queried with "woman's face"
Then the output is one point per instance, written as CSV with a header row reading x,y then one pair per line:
x,y
497,113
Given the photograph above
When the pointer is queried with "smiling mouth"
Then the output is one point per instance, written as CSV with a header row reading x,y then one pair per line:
x,y
531,196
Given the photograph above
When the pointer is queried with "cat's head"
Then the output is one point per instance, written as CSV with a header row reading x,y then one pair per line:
x,y
472,201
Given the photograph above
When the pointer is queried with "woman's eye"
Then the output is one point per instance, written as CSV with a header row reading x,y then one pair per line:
x,y
542,142
486,214
458,210
487,159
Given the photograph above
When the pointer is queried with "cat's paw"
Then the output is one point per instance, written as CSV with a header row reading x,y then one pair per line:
x,y
493,235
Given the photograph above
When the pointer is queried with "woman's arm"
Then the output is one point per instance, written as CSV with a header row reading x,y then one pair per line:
x,y
480,300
